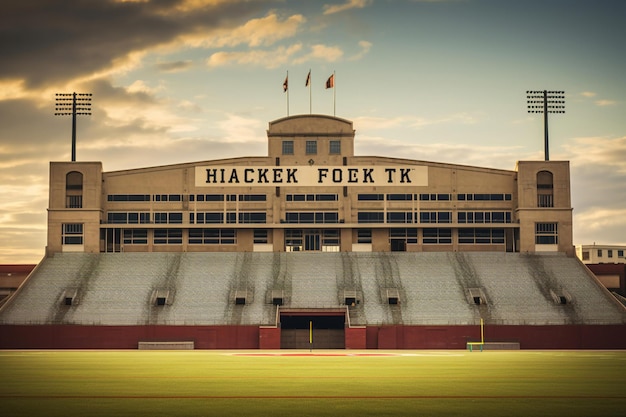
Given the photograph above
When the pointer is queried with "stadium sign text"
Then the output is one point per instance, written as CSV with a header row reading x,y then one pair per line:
x,y
310,176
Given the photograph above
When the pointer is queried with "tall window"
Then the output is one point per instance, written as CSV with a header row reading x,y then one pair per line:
x,y
287,147
546,234
74,190
72,234
311,147
545,189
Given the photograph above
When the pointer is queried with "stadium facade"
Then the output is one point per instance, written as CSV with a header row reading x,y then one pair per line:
x,y
372,252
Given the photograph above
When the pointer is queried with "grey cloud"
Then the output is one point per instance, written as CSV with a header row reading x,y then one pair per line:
x,y
50,41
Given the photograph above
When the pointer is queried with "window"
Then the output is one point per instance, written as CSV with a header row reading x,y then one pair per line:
x,y
399,197
545,189
260,236
546,234
370,197
167,197
585,255
287,147
609,253
484,197
484,217
599,253
310,197
364,236
435,197
408,235
135,236
251,217
311,147
128,197
128,218
212,236
335,147
170,217
481,236
437,236
312,217
72,234
435,217
168,236
620,253
371,217
399,217
252,197
74,190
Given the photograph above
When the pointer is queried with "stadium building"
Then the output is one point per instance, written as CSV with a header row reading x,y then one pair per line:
x,y
262,252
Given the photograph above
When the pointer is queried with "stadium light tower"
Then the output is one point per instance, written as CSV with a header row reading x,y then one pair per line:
x,y
546,102
73,104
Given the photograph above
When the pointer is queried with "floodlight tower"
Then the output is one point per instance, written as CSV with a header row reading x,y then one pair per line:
x,y
80,105
546,102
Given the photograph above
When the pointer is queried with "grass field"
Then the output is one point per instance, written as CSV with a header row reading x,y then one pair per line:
x,y
324,383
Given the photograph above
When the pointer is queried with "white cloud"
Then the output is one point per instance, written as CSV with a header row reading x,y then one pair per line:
x,y
588,94
365,48
351,4
598,152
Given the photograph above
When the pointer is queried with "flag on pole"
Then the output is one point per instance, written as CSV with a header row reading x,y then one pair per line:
x,y
330,82
286,84
308,79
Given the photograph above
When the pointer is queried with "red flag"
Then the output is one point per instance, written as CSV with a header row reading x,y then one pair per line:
x,y
330,82
308,79
286,84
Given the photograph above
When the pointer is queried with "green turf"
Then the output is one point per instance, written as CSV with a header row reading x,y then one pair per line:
x,y
330,383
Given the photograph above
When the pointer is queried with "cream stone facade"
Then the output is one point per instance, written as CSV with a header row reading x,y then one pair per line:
x,y
311,193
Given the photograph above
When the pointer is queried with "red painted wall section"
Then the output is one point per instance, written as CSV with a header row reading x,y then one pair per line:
x,y
125,337
254,337
356,337
269,337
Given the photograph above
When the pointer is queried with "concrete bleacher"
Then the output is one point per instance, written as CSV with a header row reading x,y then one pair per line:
x,y
199,289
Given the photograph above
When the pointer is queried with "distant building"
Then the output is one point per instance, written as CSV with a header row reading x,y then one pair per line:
x,y
601,254
11,277
608,263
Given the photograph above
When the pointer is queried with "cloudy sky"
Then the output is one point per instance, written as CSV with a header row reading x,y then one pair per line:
x,y
191,80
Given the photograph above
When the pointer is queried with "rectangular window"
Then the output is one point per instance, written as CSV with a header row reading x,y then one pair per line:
x,y
437,236
364,236
620,253
371,217
251,217
399,197
370,197
212,236
260,236
312,217
168,236
74,201
287,147
610,253
399,217
599,253
128,197
408,235
335,147
135,236
311,147
252,197
546,234
72,234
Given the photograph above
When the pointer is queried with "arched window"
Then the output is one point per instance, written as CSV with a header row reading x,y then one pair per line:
x,y
545,189
74,190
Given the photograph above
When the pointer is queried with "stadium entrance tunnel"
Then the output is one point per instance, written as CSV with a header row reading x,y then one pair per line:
x,y
316,330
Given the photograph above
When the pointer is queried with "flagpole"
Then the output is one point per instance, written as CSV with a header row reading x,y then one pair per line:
x,y
334,95
286,87
310,97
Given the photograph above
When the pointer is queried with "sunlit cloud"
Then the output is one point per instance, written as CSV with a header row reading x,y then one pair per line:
x,y
588,94
598,151
262,58
372,123
263,31
321,53
350,4
177,66
604,103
